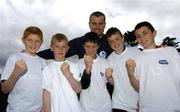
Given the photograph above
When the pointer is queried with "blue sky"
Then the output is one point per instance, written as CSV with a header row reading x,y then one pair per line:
x,y
71,18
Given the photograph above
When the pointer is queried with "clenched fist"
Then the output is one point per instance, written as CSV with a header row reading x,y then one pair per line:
x,y
88,63
108,72
20,68
65,68
130,65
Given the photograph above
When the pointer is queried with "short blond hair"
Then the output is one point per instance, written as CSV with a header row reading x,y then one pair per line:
x,y
58,37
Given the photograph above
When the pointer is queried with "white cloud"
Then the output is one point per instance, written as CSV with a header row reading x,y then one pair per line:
x,y
71,18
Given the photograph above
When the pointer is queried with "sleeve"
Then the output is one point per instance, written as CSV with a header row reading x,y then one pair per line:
x,y
75,71
46,54
136,71
73,48
8,69
46,79
85,80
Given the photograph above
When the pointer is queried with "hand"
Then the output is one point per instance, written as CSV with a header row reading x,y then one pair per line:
x,y
108,72
65,68
130,65
20,68
88,63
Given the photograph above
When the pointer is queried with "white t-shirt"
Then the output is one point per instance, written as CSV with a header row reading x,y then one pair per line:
x,y
96,97
63,97
158,71
26,96
124,96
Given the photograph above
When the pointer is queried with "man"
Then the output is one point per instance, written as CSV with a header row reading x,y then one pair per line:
x,y
97,23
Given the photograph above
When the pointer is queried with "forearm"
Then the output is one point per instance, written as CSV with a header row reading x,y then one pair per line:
x,y
85,80
134,82
9,84
46,101
76,85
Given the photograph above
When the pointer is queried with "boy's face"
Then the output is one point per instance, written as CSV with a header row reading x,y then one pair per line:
x,y
116,42
32,44
60,49
145,37
97,24
91,49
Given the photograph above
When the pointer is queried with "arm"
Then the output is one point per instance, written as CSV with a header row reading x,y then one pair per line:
x,y
19,70
73,47
109,77
85,80
76,85
46,101
130,66
46,54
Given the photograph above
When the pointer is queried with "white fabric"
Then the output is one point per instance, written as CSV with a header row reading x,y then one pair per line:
x,y
63,97
158,71
96,97
124,96
26,96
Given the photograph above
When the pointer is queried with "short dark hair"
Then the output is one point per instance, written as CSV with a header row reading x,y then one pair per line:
x,y
91,37
111,31
146,24
97,14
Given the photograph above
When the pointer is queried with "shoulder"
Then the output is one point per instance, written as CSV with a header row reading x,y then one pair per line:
x,y
135,49
77,39
101,59
71,63
14,56
111,56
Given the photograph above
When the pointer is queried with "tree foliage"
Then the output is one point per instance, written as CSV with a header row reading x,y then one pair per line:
x,y
168,41
130,38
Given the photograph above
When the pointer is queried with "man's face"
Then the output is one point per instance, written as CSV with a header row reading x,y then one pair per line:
x,y
97,24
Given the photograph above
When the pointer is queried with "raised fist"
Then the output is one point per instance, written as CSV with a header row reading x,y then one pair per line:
x,y
20,68
65,68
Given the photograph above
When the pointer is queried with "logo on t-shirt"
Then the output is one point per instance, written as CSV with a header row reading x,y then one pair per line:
x,y
103,54
101,73
164,62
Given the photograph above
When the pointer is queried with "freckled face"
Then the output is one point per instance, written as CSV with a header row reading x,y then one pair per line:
x,y
32,43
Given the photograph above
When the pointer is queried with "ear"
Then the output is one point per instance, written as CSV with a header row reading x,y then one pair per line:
x,y
67,49
122,38
51,48
23,40
155,33
98,46
89,25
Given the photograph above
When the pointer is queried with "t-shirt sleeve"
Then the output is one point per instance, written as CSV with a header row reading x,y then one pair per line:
x,y
8,69
46,79
76,71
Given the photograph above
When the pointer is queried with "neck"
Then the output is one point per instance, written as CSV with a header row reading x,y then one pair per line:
x,y
56,59
121,50
32,54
